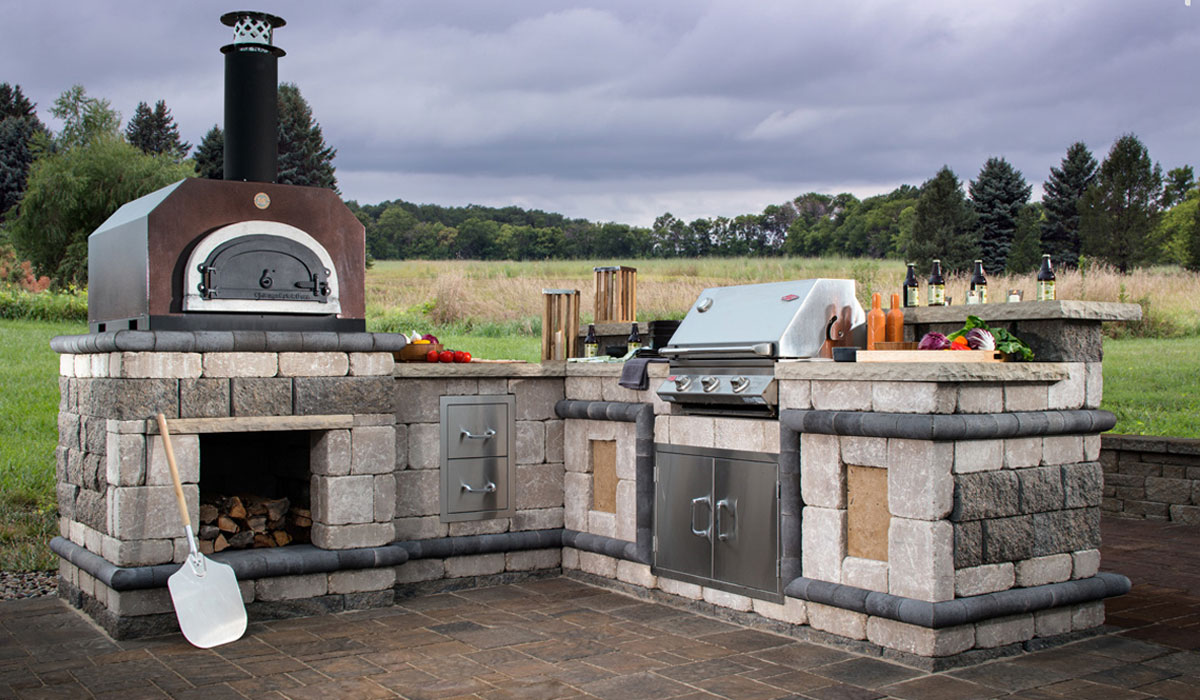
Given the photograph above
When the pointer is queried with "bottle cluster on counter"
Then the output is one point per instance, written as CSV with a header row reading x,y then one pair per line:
x,y
935,288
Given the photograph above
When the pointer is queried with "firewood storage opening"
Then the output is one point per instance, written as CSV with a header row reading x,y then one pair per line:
x,y
254,490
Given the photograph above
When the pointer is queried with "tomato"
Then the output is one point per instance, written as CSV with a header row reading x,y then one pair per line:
x,y
446,356
431,356
459,356
466,356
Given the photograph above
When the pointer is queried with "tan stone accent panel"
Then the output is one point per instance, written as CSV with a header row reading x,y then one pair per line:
x,y
867,517
604,471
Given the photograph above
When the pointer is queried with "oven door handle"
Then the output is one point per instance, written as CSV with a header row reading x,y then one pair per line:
x,y
763,349
706,533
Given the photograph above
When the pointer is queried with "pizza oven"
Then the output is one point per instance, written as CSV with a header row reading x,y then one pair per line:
x,y
243,253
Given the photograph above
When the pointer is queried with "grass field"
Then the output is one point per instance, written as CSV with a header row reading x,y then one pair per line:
x,y
492,309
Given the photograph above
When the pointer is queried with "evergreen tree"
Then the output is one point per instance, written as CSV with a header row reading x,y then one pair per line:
x,y
154,131
1175,187
1026,250
943,225
999,195
13,103
1119,211
18,126
1062,192
304,157
210,155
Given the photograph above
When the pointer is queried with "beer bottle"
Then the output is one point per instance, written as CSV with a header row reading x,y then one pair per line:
x,y
912,291
979,283
635,339
591,347
937,285
1045,281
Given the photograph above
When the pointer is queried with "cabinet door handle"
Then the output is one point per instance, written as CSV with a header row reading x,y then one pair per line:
x,y
490,488
706,533
731,506
486,435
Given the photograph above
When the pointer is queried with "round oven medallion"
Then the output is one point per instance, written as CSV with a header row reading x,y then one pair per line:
x,y
262,200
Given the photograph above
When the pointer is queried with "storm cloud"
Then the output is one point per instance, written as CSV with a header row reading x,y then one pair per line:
x,y
624,110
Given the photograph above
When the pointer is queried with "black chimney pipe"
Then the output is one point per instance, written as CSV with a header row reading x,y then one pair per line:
x,y
251,97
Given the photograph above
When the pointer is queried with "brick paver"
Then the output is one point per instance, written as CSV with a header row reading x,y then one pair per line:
x,y
559,638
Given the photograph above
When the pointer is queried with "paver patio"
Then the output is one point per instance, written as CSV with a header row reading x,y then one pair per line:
x,y
560,638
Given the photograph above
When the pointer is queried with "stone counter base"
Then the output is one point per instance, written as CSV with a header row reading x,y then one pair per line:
x,y
916,646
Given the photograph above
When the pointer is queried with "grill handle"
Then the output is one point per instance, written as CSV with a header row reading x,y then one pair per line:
x,y
763,349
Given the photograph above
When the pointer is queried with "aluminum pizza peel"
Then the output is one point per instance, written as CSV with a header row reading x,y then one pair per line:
x,y
208,602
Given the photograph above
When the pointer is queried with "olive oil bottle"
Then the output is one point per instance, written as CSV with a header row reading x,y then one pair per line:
x,y
912,289
591,347
1045,280
635,339
979,283
937,285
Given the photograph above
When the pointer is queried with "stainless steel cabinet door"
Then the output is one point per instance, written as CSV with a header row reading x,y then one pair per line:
x,y
745,523
684,513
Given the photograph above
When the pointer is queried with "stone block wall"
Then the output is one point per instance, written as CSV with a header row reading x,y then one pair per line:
x,y
1153,478
114,488
536,475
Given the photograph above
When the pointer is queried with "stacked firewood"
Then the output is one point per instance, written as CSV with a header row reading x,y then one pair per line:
x,y
247,521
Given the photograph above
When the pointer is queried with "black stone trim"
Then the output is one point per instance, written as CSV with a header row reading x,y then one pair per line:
x,y
227,341
599,544
298,559
642,414
959,611
953,426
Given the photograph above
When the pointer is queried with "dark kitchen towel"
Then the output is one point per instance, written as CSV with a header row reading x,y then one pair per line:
x,y
634,375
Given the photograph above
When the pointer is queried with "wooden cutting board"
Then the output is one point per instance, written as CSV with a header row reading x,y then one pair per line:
x,y
929,356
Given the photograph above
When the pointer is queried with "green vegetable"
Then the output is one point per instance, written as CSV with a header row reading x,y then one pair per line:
x,y
1006,342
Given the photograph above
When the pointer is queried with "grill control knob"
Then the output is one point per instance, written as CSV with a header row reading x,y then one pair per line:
x,y
682,383
739,384
709,383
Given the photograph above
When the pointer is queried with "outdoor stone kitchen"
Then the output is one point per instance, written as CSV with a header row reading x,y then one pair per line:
x,y
935,511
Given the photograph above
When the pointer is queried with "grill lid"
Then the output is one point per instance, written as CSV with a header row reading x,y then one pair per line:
x,y
774,320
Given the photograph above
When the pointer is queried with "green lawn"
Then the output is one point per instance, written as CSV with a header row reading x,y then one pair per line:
x,y
28,434
1153,386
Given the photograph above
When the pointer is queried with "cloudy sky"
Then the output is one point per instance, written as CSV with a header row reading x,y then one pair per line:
x,y
620,110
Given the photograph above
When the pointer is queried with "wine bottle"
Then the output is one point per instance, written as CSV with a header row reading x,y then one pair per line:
x,y
876,322
635,339
937,285
979,283
1045,280
894,323
912,290
591,347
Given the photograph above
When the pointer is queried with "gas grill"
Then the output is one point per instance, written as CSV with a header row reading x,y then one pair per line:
x,y
724,352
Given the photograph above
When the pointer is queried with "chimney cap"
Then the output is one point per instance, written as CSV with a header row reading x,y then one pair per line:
x,y
252,31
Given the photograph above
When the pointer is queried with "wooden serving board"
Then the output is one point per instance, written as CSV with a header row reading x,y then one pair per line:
x,y
929,356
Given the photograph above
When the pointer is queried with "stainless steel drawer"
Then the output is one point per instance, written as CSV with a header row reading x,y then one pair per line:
x,y
477,453
476,429
476,485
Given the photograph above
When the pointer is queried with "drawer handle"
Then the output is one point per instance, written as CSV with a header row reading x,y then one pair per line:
x,y
490,488
731,506
706,533
487,434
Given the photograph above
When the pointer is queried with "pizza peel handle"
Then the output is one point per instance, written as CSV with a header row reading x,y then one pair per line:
x,y
208,602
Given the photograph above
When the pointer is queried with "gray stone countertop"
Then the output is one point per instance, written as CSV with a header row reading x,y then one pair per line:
x,y
1062,309
611,369
440,370
922,371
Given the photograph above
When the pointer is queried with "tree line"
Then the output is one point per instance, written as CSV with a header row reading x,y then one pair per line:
x,y
56,188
